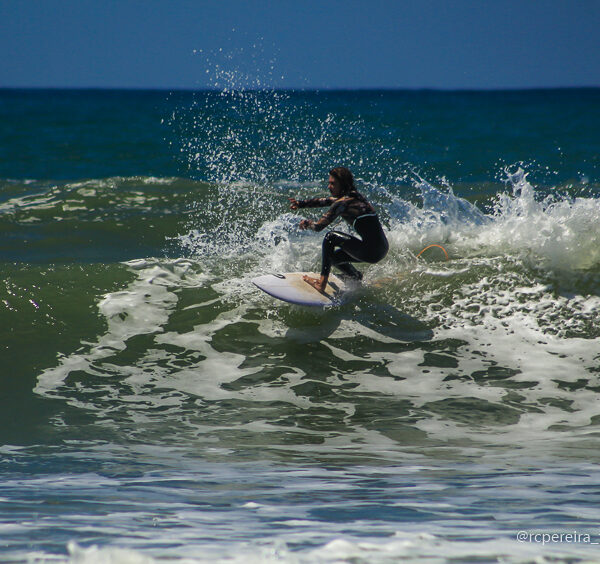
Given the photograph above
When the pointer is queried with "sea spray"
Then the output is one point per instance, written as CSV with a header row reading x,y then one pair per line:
x,y
157,406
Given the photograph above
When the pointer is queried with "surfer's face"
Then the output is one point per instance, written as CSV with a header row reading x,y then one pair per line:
x,y
334,187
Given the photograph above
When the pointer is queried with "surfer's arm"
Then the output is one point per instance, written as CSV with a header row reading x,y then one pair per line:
x,y
315,202
315,225
331,215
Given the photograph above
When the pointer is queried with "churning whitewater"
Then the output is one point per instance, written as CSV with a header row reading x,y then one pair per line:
x,y
157,406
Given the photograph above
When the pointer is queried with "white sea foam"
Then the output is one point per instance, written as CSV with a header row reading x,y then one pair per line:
x,y
554,233
524,347
411,545
142,308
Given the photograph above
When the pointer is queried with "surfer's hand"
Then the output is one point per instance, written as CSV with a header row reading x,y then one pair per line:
x,y
293,203
305,224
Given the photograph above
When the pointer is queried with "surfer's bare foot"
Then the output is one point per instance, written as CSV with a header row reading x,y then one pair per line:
x,y
318,283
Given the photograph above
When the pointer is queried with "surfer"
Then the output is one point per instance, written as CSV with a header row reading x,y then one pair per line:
x,y
341,249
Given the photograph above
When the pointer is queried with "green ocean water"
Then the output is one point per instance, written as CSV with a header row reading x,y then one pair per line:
x,y
156,405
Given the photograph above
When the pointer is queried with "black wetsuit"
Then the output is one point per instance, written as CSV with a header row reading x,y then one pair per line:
x,y
341,249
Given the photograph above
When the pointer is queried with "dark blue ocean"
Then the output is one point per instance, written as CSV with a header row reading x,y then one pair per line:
x,y
156,406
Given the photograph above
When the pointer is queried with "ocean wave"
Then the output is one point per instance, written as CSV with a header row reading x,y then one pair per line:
x,y
452,338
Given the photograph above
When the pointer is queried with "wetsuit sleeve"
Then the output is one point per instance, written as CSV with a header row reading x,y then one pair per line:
x,y
315,202
332,214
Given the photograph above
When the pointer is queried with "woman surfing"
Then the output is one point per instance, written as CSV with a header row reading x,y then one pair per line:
x,y
341,249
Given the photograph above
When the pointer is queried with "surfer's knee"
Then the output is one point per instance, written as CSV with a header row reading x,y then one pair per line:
x,y
332,237
335,239
330,241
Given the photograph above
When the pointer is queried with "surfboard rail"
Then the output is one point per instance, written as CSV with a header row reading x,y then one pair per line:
x,y
291,288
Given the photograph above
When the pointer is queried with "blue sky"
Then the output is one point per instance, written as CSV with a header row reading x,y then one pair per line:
x,y
300,44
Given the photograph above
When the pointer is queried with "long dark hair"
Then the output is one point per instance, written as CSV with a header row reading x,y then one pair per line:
x,y
345,178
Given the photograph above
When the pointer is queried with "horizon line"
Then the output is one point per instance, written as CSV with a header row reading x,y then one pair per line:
x,y
299,89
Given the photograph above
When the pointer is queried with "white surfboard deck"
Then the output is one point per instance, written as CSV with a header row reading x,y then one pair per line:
x,y
290,287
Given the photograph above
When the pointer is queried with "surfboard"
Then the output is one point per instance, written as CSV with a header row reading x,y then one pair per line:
x,y
290,287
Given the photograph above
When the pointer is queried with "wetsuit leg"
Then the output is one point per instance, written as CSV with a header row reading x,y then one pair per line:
x,y
341,249
338,257
349,270
374,245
